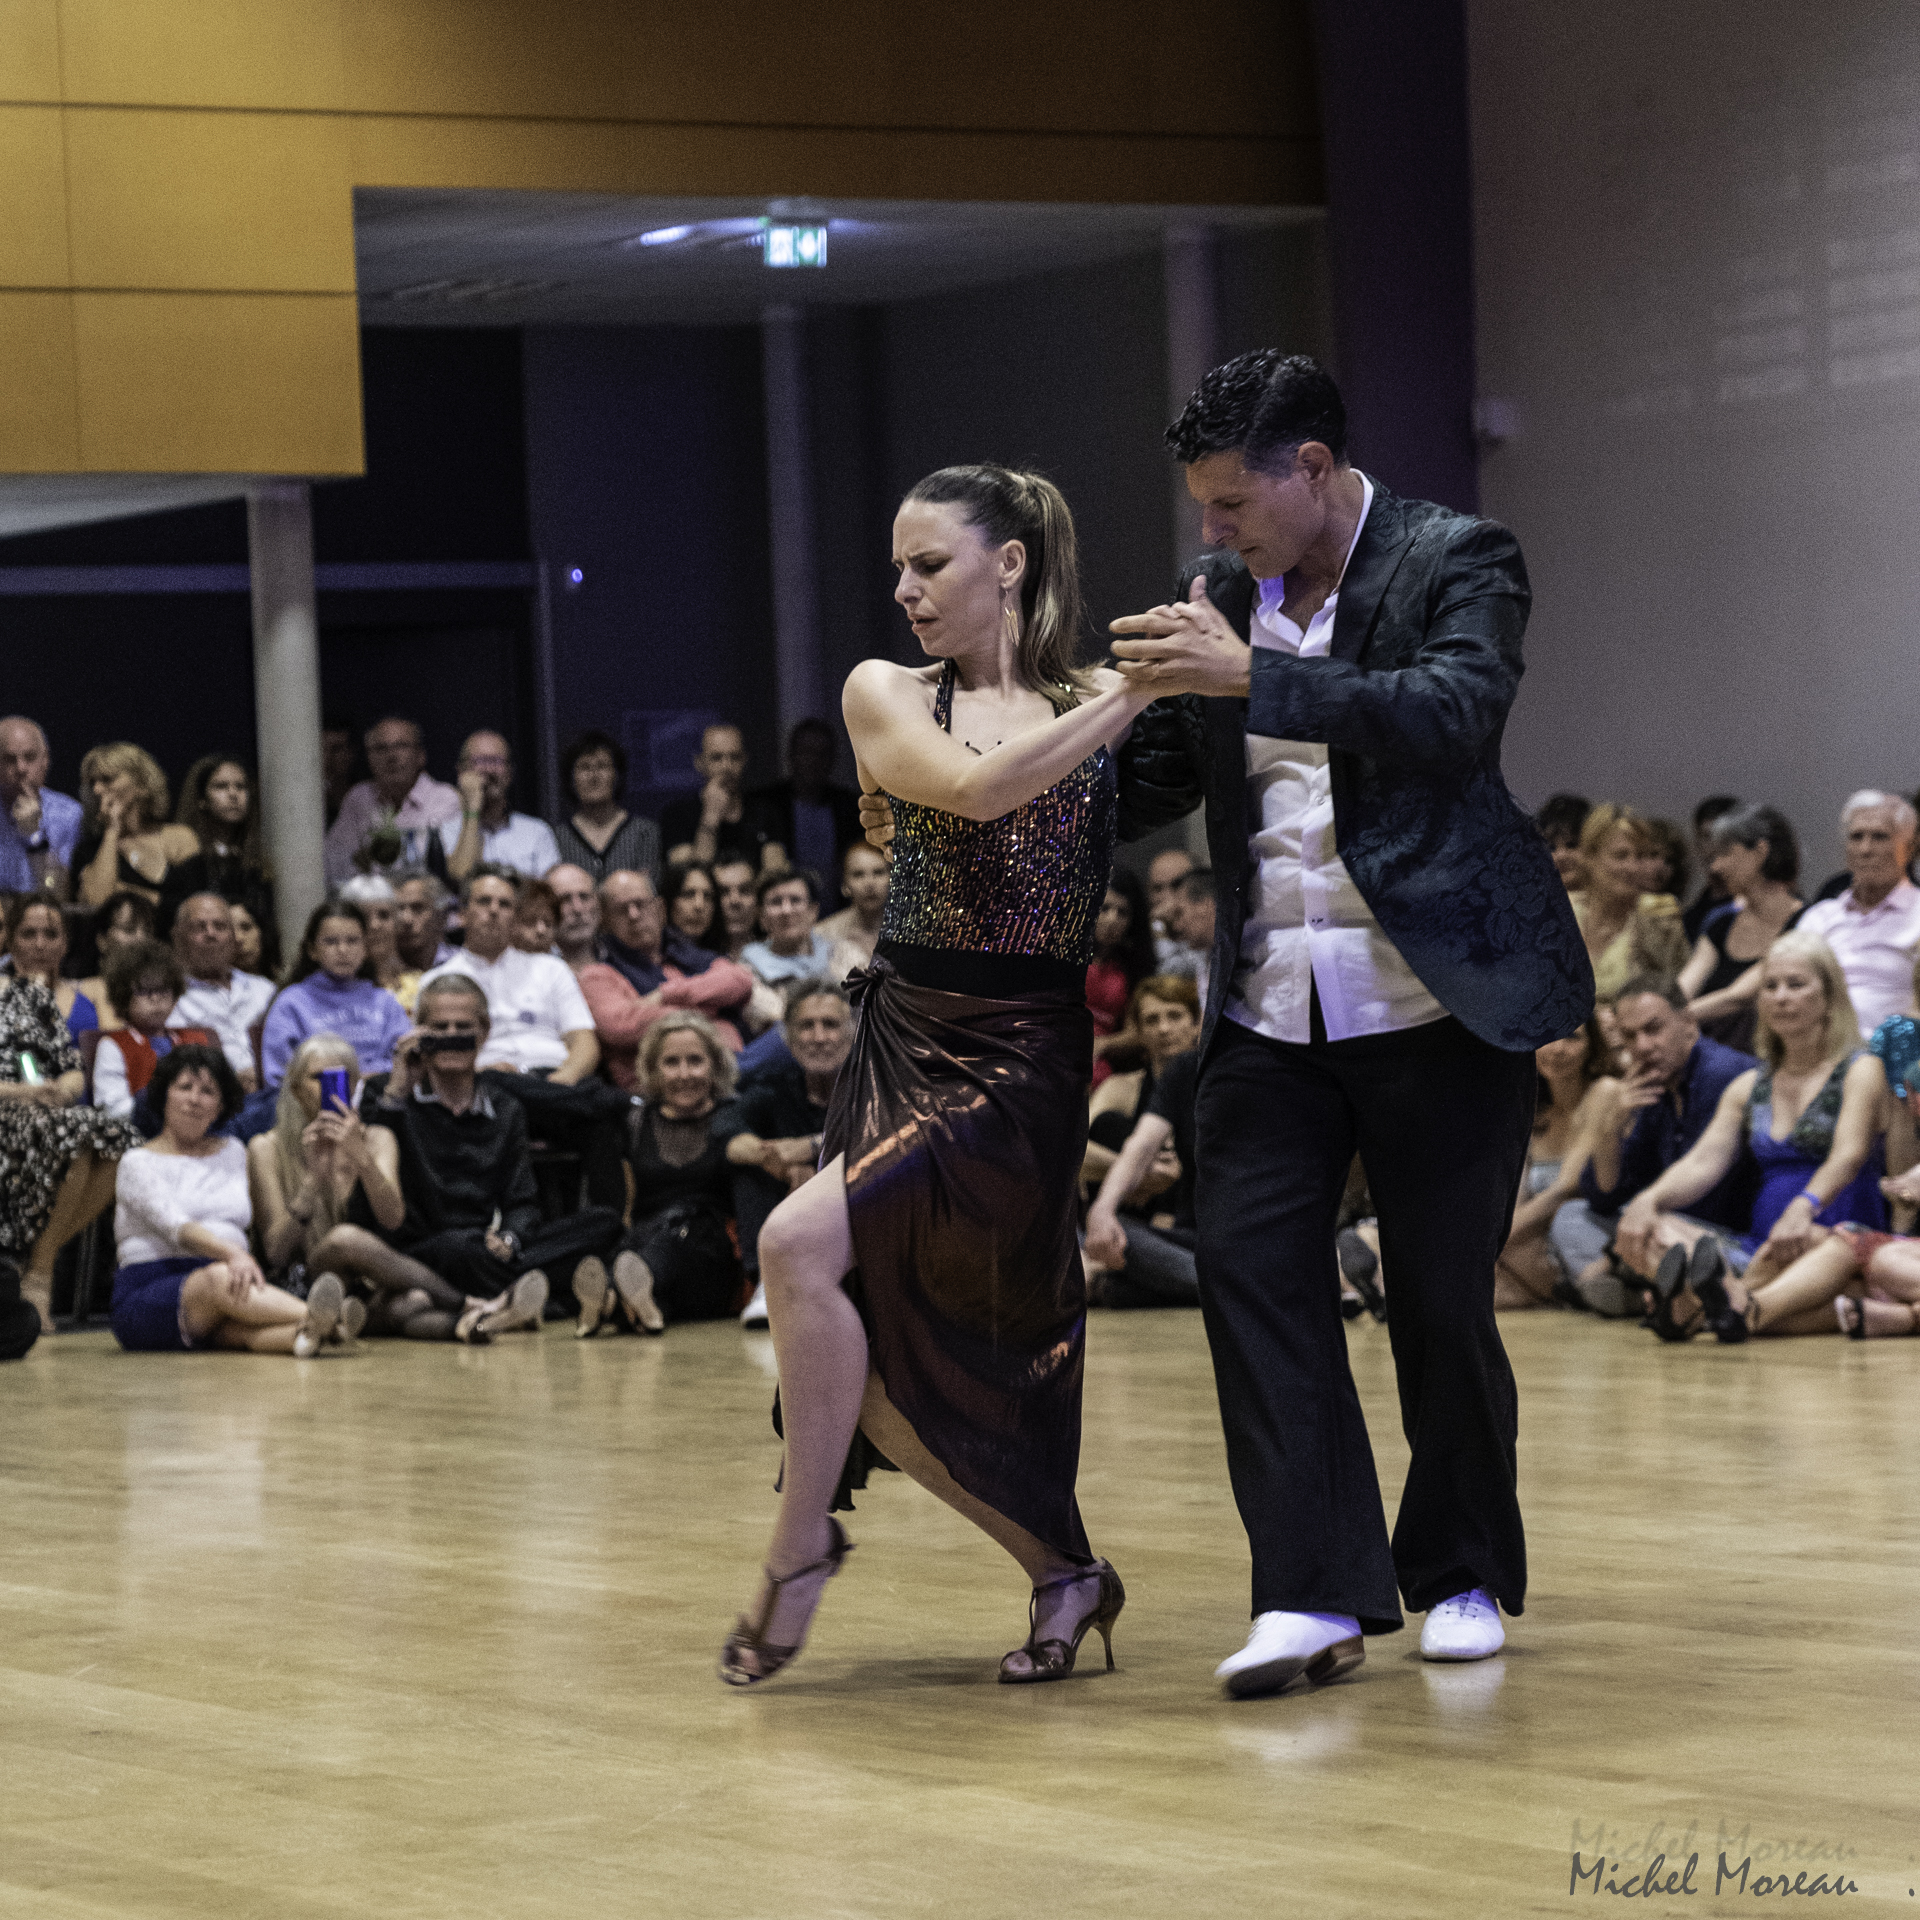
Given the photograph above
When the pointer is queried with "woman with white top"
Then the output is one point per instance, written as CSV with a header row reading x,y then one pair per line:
x,y
186,1280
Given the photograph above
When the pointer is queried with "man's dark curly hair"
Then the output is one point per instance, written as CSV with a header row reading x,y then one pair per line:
x,y
1261,406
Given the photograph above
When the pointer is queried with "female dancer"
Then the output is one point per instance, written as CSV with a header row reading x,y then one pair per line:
x,y
926,1292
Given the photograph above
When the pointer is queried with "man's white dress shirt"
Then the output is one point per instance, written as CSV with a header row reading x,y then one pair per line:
x,y
427,804
1875,947
226,1012
1308,925
533,1000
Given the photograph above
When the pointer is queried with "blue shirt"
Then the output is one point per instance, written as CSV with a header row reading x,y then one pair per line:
x,y
368,1018
59,821
1664,1131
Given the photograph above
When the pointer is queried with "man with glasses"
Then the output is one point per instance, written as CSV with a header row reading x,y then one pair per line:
x,y
488,830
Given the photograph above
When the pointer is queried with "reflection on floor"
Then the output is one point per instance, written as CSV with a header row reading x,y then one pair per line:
x,y
431,1631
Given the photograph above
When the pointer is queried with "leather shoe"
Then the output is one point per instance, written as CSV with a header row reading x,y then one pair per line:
x,y
1467,1627
1283,1646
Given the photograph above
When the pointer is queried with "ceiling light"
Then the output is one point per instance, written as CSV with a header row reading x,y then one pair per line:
x,y
663,236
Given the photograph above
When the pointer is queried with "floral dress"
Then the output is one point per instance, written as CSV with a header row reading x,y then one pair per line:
x,y
38,1145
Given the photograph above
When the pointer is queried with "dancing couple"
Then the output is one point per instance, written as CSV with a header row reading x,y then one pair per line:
x,y
1392,943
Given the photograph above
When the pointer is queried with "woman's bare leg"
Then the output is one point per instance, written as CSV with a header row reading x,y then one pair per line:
x,y
86,1191
264,1320
1799,1299
353,1250
1524,1274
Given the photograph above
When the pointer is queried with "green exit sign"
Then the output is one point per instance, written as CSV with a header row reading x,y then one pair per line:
x,y
796,246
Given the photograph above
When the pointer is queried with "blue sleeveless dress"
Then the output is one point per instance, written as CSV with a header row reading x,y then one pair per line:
x,y
962,1112
1787,1165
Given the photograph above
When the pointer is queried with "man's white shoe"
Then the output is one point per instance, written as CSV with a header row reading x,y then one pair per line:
x,y
1283,1646
755,1312
1467,1627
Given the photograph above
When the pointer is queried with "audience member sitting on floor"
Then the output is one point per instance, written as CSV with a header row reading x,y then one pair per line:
x,y
56,1156
185,1279
1874,926
1755,862
677,1259
1123,956
219,997
1809,1114
541,1047
692,901
1165,872
39,828
124,921
1641,1124
635,971
810,818
1714,893
373,894
1559,821
331,989
488,832
145,983
1143,1255
393,819
781,1113
320,1163
219,807
1529,1272
1163,1018
36,932
719,822
600,835
129,843
794,948
473,1215
536,915
420,903
855,929
1627,929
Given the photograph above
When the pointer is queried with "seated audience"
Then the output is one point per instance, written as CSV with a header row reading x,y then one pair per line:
x,y
1627,929
1163,1016
535,916
39,829
1809,1115
56,1156
1530,1271
219,997
129,843
1641,1123
719,823
126,919
321,1164
1755,862
1146,1259
692,900
374,895
1165,873
677,1259
1559,822
331,989
394,818
36,932
339,757
634,972
1713,894
855,929
219,807
738,881
600,835
1874,926
253,944
185,1278
781,1113
793,947
420,903
488,831
144,983
1667,866
1123,956
811,819
540,1046
1191,912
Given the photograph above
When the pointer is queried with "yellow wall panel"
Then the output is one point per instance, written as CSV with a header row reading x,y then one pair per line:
x,y
33,198
218,383
39,422
246,201
205,53
29,50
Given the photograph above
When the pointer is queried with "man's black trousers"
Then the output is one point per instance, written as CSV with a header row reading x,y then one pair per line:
x,y
1441,1121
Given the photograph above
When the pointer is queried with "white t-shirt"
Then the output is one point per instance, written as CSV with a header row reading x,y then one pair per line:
x,y
532,1001
525,844
157,1194
227,1012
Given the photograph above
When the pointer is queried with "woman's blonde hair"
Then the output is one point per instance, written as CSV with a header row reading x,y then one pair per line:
x,y
1842,1034
116,758
1004,504
290,1121
726,1070
1605,818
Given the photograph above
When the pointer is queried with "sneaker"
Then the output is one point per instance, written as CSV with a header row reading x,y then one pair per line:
x,y
754,1313
1467,1627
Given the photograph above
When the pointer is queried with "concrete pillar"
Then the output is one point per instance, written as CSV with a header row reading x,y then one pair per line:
x,y
796,598
1193,339
286,695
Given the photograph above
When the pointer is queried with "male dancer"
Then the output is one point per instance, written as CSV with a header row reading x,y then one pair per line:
x,y
1391,944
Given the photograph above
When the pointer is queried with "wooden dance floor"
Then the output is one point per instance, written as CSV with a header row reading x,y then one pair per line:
x,y
431,1632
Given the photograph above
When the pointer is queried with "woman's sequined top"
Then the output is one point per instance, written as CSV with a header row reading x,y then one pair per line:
x,y
1031,882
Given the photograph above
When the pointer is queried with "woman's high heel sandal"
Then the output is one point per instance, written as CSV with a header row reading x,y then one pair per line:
x,y
750,1637
1053,1658
1706,1275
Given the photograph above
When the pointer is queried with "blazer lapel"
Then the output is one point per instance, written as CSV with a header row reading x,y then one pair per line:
x,y
1377,555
